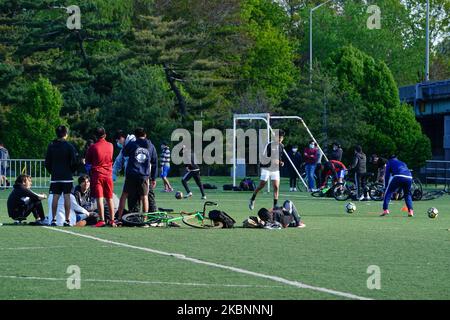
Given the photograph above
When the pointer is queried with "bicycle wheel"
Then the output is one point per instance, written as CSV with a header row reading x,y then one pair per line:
x,y
135,219
416,189
195,221
431,195
341,192
376,191
317,194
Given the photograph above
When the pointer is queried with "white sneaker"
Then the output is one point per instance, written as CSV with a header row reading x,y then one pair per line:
x,y
188,195
291,189
301,225
361,198
295,189
204,198
251,204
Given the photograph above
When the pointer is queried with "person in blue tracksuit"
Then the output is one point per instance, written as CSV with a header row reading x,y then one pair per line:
x,y
397,176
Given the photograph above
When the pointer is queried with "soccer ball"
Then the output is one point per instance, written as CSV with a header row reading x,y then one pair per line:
x,y
179,195
432,213
350,207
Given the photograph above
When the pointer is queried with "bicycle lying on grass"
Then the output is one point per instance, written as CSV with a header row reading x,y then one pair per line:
x,y
197,219
376,191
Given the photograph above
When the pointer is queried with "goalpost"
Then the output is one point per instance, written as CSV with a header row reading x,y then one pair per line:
x,y
266,117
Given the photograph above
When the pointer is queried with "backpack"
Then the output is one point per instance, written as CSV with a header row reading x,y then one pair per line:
x,y
247,184
221,216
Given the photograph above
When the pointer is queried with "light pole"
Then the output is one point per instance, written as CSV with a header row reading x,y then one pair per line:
x,y
427,54
310,38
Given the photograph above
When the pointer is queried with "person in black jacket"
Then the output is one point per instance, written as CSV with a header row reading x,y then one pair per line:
x,y
22,201
192,171
336,153
60,162
296,158
359,165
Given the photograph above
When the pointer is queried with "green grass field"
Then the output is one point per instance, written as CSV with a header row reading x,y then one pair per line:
x,y
333,252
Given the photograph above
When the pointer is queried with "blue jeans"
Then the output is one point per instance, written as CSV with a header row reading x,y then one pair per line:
x,y
310,169
81,216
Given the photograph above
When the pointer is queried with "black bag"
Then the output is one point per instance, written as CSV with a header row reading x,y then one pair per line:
x,y
221,216
209,186
227,187
247,184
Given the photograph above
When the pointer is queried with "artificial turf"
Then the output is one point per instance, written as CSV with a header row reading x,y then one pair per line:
x,y
334,252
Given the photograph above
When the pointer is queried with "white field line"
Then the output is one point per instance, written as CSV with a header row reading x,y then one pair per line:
x,y
193,284
44,248
220,266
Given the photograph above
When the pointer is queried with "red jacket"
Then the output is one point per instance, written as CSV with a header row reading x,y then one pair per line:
x,y
310,155
100,156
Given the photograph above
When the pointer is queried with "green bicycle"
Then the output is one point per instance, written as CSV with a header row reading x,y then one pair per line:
x,y
161,218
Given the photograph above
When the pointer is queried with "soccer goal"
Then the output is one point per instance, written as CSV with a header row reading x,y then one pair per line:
x,y
266,118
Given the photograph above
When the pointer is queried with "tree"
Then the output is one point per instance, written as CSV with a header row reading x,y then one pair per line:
x,y
389,127
142,99
32,125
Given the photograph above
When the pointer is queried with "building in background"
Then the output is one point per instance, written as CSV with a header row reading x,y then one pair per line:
x,y
431,102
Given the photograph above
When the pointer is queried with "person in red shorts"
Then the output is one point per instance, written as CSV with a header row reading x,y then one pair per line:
x,y
100,157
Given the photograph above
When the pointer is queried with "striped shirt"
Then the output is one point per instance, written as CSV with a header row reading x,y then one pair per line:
x,y
165,157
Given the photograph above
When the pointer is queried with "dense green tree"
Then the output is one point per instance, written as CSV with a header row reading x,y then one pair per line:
x,y
31,126
370,83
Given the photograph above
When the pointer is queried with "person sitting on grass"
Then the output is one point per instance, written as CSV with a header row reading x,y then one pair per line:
x,y
78,214
287,216
22,201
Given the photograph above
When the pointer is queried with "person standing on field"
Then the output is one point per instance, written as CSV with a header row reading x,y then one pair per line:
x,y
100,158
60,162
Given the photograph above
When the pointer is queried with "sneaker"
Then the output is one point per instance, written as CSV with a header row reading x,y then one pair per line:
x,y
100,224
112,224
53,224
295,189
301,225
66,223
291,189
251,204
410,213
188,195
385,213
366,199
39,223
17,222
204,198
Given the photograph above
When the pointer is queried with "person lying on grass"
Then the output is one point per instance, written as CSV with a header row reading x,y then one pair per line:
x,y
287,215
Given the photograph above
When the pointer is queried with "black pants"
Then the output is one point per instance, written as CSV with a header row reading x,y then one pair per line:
x,y
361,181
196,176
134,201
293,180
34,207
